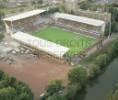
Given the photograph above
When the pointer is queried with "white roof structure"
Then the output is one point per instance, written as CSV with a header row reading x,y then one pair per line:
x,y
89,21
41,44
24,15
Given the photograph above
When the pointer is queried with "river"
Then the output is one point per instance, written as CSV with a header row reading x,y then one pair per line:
x,y
103,85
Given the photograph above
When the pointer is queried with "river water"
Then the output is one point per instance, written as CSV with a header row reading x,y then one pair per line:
x,y
103,85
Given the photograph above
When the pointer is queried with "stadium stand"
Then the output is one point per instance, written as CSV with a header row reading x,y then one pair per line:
x,y
41,44
78,23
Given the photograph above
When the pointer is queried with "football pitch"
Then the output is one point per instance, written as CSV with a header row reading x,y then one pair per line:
x,y
74,41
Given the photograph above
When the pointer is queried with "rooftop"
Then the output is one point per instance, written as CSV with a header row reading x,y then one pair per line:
x,y
24,15
41,44
86,20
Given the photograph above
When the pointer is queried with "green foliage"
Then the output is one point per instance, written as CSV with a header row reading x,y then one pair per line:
x,y
53,91
78,75
72,91
93,70
114,18
113,51
102,60
53,10
7,93
1,22
84,5
107,30
62,7
54,87
1,74
1,15
11,89
57,97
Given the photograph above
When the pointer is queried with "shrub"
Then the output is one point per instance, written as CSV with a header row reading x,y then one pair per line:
x,y
114,20
3,83
57,97
78,75
53,10
107,30
1,37
24,96
93,70
54,87
1,74
102,60
113,51
11,89
72,91
85,5
7,93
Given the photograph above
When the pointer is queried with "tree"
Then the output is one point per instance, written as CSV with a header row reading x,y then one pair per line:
x,y
1,16
63,6
114,17
102,60
36,3
113,51
57,97
11,89
1,75
72,90
78,75
54,87
7,93
84,5
24,96
93,70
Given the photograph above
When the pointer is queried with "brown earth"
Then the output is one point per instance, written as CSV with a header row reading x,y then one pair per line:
x,y
35,72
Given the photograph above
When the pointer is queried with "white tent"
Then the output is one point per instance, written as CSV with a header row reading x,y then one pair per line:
x,y
41,44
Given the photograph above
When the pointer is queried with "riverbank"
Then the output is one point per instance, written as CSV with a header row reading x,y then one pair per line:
x,y
101,87
103,57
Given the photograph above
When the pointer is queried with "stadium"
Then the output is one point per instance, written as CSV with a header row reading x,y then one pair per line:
x,y
58,35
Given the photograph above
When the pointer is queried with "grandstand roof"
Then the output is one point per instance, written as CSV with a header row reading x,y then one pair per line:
x,y
89,21
41,44
24,15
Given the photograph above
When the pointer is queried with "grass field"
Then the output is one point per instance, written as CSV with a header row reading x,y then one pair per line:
x,y
76,42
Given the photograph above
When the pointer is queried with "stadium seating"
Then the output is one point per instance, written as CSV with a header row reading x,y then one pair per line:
x,y
77,27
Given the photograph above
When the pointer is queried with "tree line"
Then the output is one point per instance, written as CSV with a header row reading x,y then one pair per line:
x,y
11,89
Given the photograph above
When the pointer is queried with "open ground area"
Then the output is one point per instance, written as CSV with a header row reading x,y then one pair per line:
x,y
35,72
74,41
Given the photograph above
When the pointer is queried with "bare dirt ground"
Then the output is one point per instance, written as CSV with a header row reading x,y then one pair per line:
x,y
35,72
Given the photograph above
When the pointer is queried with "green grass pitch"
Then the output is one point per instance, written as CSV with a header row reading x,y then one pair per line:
x,y
76,42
